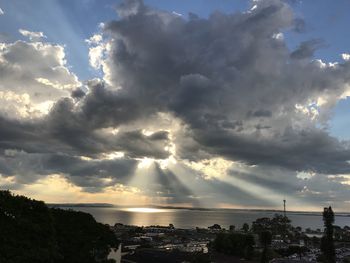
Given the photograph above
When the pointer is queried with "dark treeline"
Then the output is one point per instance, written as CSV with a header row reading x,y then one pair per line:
x,y
32,232
243,242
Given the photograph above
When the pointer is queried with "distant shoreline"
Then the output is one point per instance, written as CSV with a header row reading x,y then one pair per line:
x,y
106,205
79,205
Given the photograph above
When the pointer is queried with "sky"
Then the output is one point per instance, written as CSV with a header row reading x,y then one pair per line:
x,y
226,104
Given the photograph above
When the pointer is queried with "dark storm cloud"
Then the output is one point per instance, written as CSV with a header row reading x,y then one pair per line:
x,y
226,70
30,149
137,145
306,150
28,167
78,167
231,82
299,25
307,49
77,93
101,108
51,144
261,113
77,129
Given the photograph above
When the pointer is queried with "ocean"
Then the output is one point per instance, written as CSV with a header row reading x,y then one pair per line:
x,y
191,218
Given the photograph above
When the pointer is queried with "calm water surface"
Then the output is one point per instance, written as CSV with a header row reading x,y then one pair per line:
x,y
184,218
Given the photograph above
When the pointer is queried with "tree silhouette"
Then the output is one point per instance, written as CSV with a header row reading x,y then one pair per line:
x,y
278,225
265,239
27,233
327,242
245,227
32,232
235,243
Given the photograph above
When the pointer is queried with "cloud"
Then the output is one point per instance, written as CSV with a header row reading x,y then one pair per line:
x,y
345,56
299,25
179,94
306,49
33,36
81,132
96,55
95,39
57,189
130,7
1,12
92,175
97,50
232,83
33,76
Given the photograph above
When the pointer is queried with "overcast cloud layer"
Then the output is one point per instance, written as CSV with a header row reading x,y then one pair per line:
x,y
216,109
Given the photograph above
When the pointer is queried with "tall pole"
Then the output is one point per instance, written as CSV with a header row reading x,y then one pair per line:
x,y
284,218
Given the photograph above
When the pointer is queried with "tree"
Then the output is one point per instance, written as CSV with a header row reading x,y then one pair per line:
x,y
261,224
32,232
327,241
235,243
81,238
27,233
265,240
245,227
299,229
232,228
215,227
278,225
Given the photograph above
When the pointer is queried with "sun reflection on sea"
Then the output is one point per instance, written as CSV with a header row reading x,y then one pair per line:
x,y
145,210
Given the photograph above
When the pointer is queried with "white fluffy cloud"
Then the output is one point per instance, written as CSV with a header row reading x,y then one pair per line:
x,y
345,56
33,36
33,76
96,55
1,12
98,49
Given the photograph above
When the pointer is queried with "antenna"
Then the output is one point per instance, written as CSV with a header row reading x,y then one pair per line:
x,y
284,217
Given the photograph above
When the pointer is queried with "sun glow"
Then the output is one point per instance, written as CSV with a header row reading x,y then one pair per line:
x,y
145,163
112,155
144,210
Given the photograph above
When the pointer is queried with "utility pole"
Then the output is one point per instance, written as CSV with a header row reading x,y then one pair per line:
x,y
284,207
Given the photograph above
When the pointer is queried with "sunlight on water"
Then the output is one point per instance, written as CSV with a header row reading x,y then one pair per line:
x,y
145,210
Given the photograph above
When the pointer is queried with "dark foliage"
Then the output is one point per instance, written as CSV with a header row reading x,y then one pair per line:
x,y
327,241
80,237
245,227
215,227
27,233
236,244
279,224
265,240
32,232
